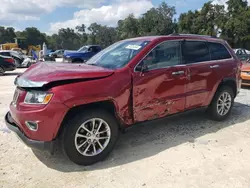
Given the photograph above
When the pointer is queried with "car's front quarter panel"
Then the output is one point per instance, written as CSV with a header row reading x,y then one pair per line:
x,y
115,88
48,117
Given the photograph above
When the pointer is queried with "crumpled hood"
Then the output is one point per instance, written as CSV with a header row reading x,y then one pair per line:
x,y
43,73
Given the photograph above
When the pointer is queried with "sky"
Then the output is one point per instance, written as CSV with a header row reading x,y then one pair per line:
x,y
51,15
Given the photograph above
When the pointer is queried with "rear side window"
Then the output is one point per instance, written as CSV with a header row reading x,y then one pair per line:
x,y
218,51
195,51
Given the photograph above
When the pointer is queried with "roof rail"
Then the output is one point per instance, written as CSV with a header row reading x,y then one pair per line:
x,y
207,36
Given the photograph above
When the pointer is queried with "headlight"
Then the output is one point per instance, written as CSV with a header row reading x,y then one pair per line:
x,y
37,97
68,56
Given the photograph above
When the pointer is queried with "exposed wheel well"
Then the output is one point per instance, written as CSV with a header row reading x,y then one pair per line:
x,y
106,105
230,83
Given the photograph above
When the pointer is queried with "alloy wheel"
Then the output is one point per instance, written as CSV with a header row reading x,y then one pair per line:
x,y
92,137
224,103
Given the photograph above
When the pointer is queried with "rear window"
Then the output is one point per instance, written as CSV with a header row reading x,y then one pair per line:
x,y
218,51
195,51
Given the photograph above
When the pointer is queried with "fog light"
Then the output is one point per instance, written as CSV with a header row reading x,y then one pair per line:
x,y
33,126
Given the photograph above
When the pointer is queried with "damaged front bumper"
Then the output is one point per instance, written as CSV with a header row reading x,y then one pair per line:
x,y
34,144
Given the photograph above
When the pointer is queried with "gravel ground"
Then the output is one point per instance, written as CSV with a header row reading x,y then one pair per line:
x,y
185,151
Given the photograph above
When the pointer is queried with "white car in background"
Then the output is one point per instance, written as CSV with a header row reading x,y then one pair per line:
x,y
240,51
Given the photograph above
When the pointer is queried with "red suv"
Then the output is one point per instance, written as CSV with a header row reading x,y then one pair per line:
x,y
85,106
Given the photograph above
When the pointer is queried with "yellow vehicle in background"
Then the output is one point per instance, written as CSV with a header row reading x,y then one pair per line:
x,y
21,46
8,46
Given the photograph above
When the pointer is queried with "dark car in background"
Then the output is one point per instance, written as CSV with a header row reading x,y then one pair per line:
x,y
18,58
81,55
6,64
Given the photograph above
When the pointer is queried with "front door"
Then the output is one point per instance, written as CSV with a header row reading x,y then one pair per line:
x,y
159,90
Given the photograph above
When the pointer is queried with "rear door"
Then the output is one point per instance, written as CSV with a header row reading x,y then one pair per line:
x,y
202,74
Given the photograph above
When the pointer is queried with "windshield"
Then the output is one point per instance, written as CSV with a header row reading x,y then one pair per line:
x,y
83,49
118,55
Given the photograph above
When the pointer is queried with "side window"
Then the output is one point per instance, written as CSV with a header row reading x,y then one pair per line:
x,y
164,55
5,54
218,51
194,52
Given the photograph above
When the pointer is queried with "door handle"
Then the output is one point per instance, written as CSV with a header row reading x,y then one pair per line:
x,y
178,73
214,66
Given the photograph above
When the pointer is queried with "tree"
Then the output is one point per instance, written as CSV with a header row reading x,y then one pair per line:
x,y
188,22
32,36
210,20
68,39
7,35
101,35
128,28
158,21
81,29
237,27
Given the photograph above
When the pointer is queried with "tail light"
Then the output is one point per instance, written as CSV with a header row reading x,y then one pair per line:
x,y
9,60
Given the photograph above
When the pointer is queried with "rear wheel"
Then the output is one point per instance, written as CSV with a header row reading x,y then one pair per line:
x,y
222,103
89,137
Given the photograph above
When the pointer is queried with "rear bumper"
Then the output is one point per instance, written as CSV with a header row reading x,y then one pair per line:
x,y
39,145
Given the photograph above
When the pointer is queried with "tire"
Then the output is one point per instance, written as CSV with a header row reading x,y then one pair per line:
x,y
216,105
1,71
69,142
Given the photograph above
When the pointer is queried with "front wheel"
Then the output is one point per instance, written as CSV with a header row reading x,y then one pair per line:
x,y
89,137
222,103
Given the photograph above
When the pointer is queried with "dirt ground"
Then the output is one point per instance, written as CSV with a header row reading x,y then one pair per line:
x,y
187,151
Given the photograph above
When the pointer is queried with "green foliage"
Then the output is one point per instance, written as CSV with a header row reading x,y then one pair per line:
x,y
231,23
7,35
158,21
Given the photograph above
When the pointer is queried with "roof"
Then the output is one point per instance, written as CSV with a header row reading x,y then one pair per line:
x,y
177,36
